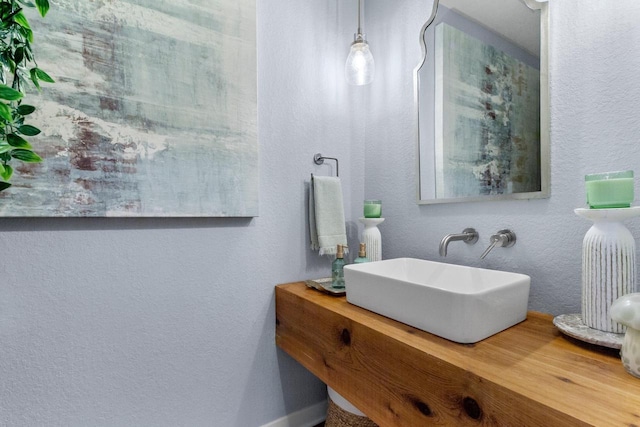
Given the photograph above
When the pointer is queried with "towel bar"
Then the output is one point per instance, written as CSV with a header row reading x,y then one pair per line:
x,y
319,159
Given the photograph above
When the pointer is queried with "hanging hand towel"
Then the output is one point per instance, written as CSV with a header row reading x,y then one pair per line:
x,y
326,215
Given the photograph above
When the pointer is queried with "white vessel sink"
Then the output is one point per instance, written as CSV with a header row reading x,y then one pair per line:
x,y
459,303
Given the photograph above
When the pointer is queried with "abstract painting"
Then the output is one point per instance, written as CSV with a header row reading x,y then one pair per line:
x,y
153,113
487,121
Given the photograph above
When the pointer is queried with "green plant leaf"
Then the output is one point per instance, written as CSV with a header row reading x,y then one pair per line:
x,y
9,94
18,55
26,3
12,65
4,185
8,14
28,130
21,20
17,141
5,58
34,78
27,52
4,147
26,33
43,7
6,172
5,112
5,9
25,110
43,76
27,156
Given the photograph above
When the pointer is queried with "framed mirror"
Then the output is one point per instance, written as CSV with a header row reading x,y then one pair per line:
x,y
482,102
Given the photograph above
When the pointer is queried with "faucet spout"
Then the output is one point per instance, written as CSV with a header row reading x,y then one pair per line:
x,y
468,235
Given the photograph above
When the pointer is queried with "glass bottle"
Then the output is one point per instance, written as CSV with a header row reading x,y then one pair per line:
x,y
337,269
362,254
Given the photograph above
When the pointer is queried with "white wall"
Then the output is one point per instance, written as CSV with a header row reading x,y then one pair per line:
x,y
595,128
123,322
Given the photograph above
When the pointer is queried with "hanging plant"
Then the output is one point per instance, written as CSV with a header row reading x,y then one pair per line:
x,y
19,70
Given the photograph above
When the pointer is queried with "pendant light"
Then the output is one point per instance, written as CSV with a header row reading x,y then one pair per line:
x,y
359,68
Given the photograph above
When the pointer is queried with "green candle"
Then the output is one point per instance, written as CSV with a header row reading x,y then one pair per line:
x,y
372,208
610,190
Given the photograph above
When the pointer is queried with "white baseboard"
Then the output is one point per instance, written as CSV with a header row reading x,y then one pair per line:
x,y
306,417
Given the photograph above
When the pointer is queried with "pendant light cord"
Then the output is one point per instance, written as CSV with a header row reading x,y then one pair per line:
x,y
359,13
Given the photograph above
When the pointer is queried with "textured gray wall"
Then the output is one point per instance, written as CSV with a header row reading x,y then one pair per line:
x,y
595,127
171,321
122,322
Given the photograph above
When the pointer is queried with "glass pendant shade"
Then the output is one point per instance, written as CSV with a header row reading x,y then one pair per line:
x,y
360,67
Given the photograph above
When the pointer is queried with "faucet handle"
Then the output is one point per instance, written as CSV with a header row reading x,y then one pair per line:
x,y
502,239
507,238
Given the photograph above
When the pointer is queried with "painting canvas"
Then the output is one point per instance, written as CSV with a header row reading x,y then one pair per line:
x,y
487,124
153,112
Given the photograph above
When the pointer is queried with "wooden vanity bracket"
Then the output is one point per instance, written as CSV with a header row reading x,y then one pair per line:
x,y
528,375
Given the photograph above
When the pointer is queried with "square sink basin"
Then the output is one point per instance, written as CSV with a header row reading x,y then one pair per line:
x,y
459,303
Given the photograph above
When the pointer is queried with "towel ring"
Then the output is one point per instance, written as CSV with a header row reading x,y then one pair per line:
x,y
319,159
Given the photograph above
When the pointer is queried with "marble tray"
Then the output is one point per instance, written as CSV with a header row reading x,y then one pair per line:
x,y
571,325
324,285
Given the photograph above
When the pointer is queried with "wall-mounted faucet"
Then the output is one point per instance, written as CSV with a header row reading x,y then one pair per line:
x,y
502,239
468,235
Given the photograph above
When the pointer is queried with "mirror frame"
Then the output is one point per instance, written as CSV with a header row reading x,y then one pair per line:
x,y
545,137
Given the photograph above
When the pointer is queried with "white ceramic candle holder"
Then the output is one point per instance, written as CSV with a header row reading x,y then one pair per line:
x,y
608,265
372,238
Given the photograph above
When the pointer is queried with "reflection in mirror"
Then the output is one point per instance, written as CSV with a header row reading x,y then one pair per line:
x,y
481,94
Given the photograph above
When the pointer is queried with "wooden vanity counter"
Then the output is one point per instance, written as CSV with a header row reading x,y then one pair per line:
x,y
528,375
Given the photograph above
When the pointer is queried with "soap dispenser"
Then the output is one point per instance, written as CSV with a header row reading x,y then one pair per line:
x,y
362,254
337,269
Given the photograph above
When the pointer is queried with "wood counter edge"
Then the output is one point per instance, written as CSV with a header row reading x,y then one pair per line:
x,y
531,360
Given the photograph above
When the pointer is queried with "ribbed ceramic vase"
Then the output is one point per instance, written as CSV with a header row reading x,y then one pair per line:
x,y
372,238
608,265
